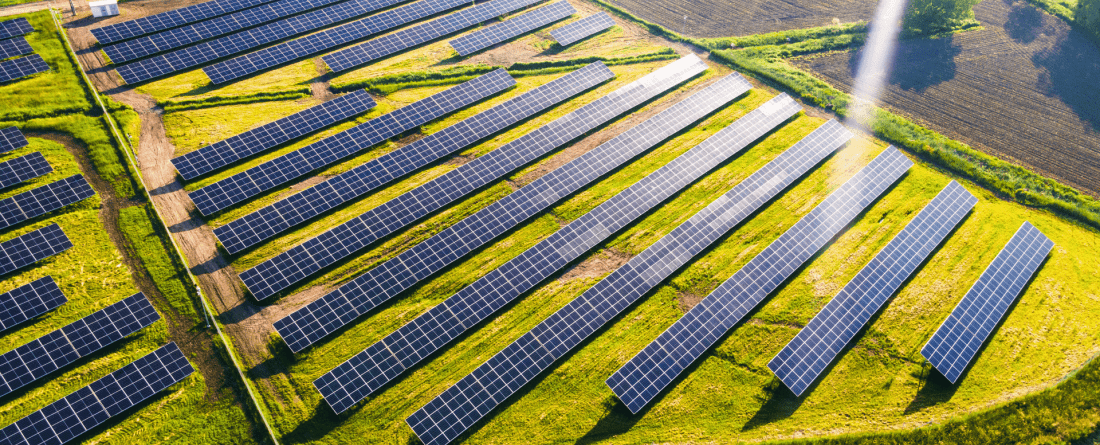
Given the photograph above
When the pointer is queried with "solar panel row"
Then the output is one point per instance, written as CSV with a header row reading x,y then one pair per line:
x,y
28,301
582,29
76,413
364,373
17,27
279,171
407,38
190,34
260,139
170,19
42,200
274,219
64,346
32,247
805,358
193,56
22,67
23,168
248,64
957,341
11,138
448,415
355,298
14,48
654,368
513,27
303,260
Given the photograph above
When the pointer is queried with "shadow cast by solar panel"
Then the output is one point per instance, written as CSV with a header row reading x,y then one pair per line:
x,y
934,389
412,226
556,48
124,416
616,420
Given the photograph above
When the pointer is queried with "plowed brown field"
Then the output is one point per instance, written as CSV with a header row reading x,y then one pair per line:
x,y
724,18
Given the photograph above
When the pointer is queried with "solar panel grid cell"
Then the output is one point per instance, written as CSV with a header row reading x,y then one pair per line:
x,y
260,139
109,396
170,19
817,345
17,27
14,48
64,346
11,138
42,200
583,28
28,301
957,341
303,260
265,223
513,27
250,183
655,367
407,38
22,67
361,375
32,247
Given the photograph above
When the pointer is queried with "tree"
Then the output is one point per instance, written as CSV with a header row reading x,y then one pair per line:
x,y
934,16
1088,16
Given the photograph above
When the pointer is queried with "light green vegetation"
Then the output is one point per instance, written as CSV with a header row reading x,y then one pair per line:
x,y
53,93
194,84
190,130
4,3
213,101
150,247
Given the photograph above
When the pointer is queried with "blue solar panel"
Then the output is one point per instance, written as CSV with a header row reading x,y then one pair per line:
x,y
22,67
257,140
107,397
32,247
654,368
331,312
81,338
42,200
14,48
407,38
17,27
190,34
360,376
211,50
582,29
269,221
170,19
28,301
830,331
305,259
957,341
511,28
23,168
271,174
445,417
11,138
325,40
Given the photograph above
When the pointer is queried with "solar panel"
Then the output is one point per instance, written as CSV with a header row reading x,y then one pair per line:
x,y
76,413
654,368
279,171
303,260
407,38
11,138
170,19
296,209
957,341
17,27
260,139
325,40
81,338
190,34
239,42
32,247
363,374
28,301
582,29
818,344
446,416
304,326
511,28
42,200
22,67
14,47
23,168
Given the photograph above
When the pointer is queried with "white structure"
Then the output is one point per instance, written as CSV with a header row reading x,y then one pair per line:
x,y
104,8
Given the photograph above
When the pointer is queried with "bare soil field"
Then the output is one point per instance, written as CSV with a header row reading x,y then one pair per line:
x,y
725,18
1023,88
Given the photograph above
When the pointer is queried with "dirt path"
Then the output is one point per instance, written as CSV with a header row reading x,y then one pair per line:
x,y
24,8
